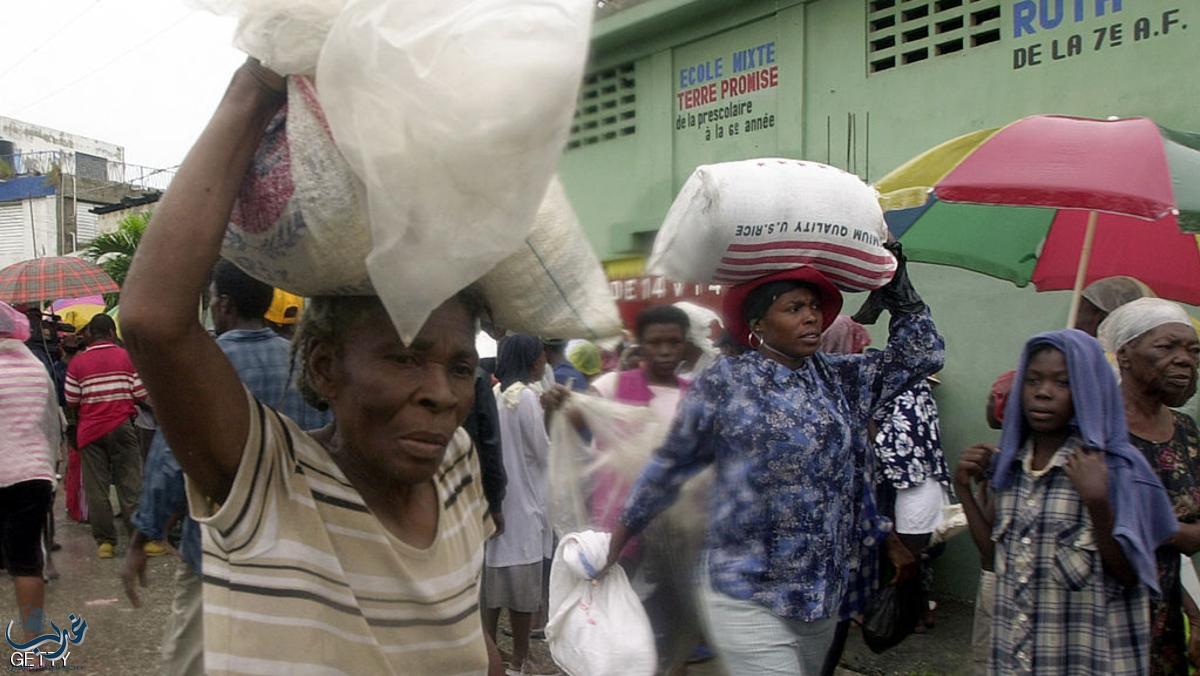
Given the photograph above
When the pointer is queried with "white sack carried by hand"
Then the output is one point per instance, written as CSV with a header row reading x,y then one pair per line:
x,y
453,114
596,626
285,35
553,286
737,221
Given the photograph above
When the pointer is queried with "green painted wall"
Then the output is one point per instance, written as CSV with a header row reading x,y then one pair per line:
x,y
915,106
827,108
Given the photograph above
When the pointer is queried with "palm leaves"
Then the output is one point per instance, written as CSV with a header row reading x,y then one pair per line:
x,y
114,250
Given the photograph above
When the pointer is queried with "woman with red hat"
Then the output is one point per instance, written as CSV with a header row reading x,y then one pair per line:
x,y
794,531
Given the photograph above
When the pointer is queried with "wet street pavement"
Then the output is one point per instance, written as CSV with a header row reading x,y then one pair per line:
x,y
120,639
124,640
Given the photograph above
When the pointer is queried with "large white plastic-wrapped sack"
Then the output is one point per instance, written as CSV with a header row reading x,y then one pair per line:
x,y
554,286
300,222
286,35
450,118
596,626
736,221
453,114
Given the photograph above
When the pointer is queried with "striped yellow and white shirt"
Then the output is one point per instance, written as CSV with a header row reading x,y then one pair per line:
x,y
300,578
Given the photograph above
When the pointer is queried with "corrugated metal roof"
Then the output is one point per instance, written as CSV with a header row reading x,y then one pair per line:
x,y
24,187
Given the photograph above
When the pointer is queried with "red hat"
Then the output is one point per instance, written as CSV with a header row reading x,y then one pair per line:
x,y
735,298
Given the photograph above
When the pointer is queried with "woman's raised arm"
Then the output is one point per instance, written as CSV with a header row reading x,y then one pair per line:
x,y
198,398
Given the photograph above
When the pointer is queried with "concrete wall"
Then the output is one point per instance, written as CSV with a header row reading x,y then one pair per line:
x,y
30,138
828,106
108,222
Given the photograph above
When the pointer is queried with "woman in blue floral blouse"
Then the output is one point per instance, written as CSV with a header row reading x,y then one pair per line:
x,y
794,530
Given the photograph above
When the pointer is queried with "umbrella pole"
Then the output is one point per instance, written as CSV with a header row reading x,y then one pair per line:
x,y
1081,274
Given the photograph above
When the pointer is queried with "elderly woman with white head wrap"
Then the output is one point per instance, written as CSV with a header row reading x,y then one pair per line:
x,y
1157,352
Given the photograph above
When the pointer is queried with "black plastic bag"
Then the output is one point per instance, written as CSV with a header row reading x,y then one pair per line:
x,y
892,615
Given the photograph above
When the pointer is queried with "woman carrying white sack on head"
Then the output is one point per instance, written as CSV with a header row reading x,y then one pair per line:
x,y
794,531
1157,352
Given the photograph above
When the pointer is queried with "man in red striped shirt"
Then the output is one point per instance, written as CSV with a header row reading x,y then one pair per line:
x,y
102,383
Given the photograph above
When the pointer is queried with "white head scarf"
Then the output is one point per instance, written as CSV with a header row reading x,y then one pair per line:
x,y
1137,318
700,321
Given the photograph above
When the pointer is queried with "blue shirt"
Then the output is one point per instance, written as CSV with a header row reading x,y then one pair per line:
x,y
793,524
262,360
565,372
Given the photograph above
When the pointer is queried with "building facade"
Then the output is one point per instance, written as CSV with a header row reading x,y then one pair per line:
x,y
52,181
863,85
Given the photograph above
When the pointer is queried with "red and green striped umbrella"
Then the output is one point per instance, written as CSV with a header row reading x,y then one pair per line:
x,y
44,279
1059,201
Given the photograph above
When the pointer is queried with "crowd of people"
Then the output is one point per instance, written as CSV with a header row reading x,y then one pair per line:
x,y
346,499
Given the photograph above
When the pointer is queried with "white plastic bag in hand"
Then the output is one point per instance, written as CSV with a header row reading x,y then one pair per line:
x,y
453,113
596,627
286,35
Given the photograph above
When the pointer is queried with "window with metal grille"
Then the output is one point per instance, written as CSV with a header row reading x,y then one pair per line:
x,y
607,107
900,32
13,228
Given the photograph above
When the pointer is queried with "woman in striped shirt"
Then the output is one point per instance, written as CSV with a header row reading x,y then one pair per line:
x,y
355,549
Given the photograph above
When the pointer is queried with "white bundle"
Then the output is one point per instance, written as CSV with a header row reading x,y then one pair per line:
x,y
737,221
700,321
554,286
629,435
300,223
441,166
453,113
596,626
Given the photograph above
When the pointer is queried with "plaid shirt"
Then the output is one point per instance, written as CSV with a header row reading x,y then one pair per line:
x,y
261,359
1057,611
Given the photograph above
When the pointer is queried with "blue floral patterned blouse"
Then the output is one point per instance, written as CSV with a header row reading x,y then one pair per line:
x,y
908,443
793,524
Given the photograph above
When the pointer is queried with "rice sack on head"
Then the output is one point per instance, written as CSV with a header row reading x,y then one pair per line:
x,y
736,221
